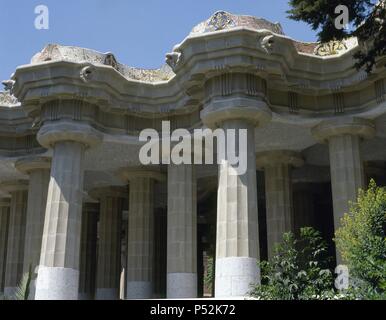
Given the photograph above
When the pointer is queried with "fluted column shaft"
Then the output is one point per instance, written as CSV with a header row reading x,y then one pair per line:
x,y
140,239
4,220
237,243
38,169
16,237
279,204
182,232
347,175
109,249
88,246
277,167
58,277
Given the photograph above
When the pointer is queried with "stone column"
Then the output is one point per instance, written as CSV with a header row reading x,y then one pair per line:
x,y
140,243
4,220
38,169
234,102
88,254
109,245
16,234
58,277
182,232
237,245
278,189
347,177
304,206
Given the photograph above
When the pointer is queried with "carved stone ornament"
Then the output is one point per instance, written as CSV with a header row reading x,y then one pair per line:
x,y
267,43
7,99
111,61
86,73
8,85
330,48
219,21
172,59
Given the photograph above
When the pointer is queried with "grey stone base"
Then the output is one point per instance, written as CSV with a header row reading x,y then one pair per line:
x,y
32,290
9,292
139,290
181,285
85,296
107,294
57,284
235,276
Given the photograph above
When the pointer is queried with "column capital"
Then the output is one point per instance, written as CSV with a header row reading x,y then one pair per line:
x,y
14,185
246,109
142,172
344,126
116,192
65,130
28,164
278,157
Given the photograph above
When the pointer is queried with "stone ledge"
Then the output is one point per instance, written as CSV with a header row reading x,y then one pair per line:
x,y
28,164
235,108
118,192
14,185
142,172
277,157
344,126
57,131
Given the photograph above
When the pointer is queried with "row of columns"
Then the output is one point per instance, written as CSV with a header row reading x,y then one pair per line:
x,y
237,244
53,241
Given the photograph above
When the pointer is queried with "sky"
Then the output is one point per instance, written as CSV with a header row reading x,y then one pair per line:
x,y
139,33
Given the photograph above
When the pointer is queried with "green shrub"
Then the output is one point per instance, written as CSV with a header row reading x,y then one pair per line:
x,y
362,243
297,271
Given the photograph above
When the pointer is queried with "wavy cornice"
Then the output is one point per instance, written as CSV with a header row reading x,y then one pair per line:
x,y
303,80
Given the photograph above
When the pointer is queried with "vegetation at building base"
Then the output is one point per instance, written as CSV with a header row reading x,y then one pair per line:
x,y
367,19
209,274
297,271
23,289
299,268
362,243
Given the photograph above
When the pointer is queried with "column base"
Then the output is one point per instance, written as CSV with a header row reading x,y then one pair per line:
x,y
181,285
9,292
139,290
32,290
106,294
85,296
235,276
57,284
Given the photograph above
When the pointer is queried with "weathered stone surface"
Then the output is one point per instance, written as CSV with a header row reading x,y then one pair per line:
x,y
4,220
109,248
62,226
237,223
16,234
140,244
38,169
182,232
88,254
278,189
231,72
346,164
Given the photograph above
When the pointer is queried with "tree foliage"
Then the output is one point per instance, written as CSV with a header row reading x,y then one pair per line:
x,y
366,17
362,242
298,270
